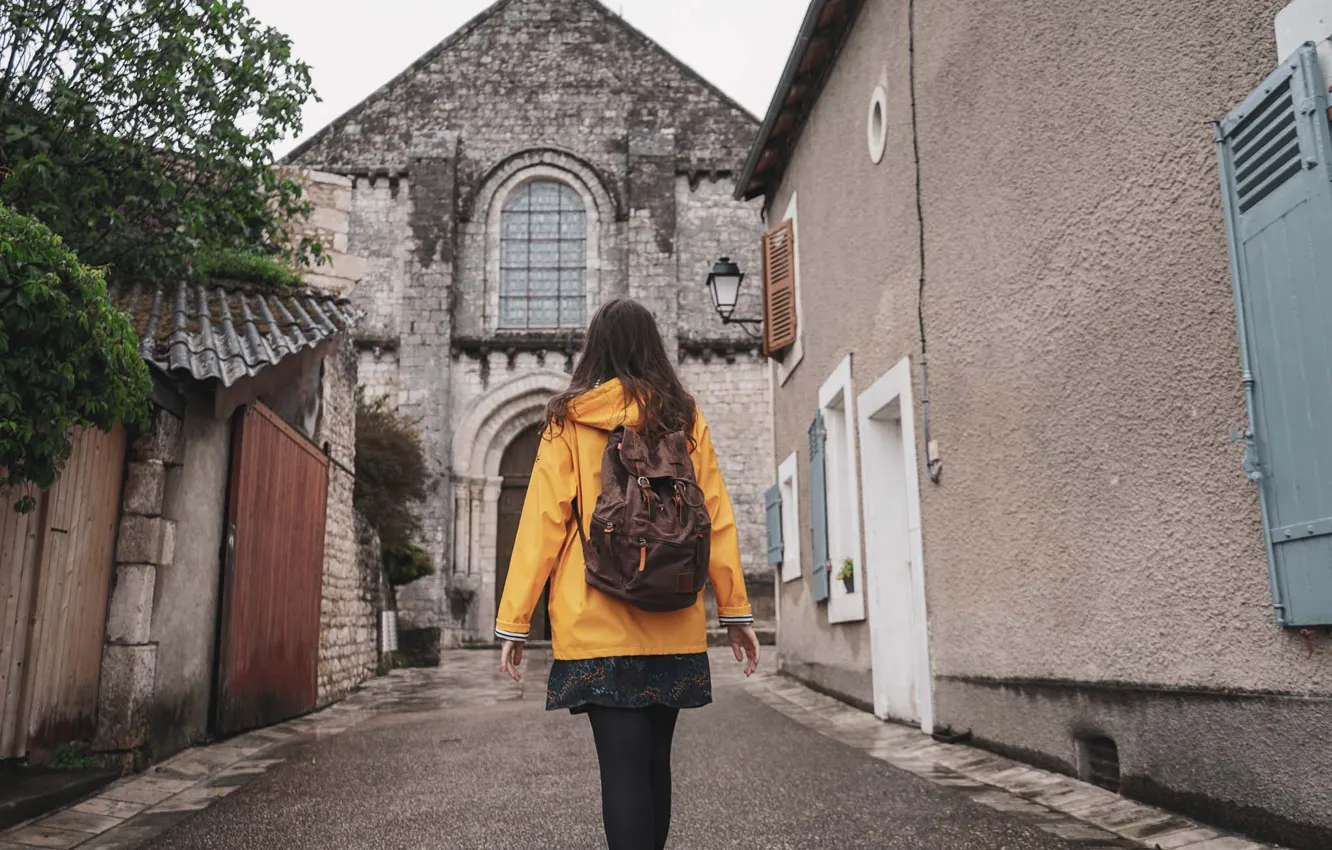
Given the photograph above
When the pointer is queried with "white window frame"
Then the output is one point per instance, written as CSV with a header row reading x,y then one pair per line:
x,y
788,484
784,367
837,400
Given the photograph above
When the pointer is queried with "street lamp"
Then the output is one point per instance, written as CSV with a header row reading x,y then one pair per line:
x,y
724,284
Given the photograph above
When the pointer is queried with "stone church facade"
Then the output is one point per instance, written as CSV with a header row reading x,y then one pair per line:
x,y
542,159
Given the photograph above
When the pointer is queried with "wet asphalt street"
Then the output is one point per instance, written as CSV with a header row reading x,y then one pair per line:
x,y
492,769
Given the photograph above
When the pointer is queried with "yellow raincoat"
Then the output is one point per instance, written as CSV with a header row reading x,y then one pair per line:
x,y
585,623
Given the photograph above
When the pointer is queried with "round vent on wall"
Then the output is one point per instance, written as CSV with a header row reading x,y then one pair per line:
x,y
876,129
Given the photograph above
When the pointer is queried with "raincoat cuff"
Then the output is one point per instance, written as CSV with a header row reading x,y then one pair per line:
x,y
512,631
736,617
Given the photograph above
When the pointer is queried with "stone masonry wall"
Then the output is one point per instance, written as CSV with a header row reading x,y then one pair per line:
x,y
564,74
329,221
733,395
380,208
710,224
551,89
146,543
348,622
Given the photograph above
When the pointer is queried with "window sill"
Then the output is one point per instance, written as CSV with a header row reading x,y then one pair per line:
x,y
846,607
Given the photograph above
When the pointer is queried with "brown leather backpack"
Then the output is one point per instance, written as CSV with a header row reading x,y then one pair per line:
x,y
651,535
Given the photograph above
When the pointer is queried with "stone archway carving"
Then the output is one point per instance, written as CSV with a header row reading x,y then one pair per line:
x,y
573,167
490,424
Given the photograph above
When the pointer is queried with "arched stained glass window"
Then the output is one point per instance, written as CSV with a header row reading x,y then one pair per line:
x,y
543,258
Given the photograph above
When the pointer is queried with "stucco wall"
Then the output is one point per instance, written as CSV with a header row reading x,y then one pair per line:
x,y
184,616
1089,231
858,267
1093,530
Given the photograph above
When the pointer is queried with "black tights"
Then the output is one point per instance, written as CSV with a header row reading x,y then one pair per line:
x,y
634,751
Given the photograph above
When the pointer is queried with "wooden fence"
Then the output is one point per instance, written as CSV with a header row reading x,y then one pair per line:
x,y
55,580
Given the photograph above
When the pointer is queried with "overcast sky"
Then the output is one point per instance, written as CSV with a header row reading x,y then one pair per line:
x,y
355,46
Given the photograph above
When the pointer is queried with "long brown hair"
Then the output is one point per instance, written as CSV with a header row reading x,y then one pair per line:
x,y
623,342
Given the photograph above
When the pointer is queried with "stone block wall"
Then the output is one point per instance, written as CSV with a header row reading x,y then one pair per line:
x,y
378,374
539,74
381,207
349,620
146,543
733,394
329,221
713,224
552,90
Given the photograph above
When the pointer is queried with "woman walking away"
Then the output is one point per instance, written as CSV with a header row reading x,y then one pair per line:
x,y
626,516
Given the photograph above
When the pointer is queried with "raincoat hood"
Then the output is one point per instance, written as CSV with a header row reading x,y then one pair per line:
x,y
606,408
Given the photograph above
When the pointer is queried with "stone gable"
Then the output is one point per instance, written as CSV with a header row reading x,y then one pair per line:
x,y
569,74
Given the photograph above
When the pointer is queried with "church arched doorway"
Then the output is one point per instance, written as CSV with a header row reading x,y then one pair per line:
x,y
516,470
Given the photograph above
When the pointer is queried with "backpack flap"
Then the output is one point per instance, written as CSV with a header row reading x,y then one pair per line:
x,y
651,532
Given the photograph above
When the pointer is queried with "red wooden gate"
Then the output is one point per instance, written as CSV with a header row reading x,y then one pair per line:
x,y
269,648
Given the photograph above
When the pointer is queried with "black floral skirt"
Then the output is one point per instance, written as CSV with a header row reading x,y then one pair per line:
x,y
630,681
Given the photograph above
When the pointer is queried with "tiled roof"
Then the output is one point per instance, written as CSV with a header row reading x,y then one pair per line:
x,y
822,35
227,331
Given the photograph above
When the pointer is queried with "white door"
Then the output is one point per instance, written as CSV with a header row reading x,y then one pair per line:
x,y
895,580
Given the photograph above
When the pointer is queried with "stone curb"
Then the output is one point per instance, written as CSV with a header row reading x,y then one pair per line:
x,y
1073,810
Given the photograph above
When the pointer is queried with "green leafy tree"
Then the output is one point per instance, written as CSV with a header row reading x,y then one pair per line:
x,y
67,357
404,566
390,484
141,130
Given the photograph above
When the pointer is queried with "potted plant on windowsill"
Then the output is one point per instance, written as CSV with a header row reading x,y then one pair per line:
x,y
848,575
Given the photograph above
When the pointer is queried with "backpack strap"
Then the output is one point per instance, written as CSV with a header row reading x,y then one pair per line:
x,y
578,483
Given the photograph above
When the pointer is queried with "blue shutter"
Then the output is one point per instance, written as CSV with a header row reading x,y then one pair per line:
x,y
1276,168
818,506
772,508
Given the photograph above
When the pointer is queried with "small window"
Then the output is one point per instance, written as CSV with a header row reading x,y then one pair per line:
x,y
1275,162
543,258
876,129
837,404
1098,762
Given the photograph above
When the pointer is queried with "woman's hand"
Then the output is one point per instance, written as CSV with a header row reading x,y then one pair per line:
x,y
512,657
745,645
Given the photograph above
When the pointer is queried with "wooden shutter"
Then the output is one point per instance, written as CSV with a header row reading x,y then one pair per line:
x,y
773,511
818,506
1276,164
779,301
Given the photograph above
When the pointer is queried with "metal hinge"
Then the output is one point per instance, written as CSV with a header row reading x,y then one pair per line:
x,y
1250,462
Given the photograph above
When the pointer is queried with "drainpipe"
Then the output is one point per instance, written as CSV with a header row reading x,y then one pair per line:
x,y
1251,465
